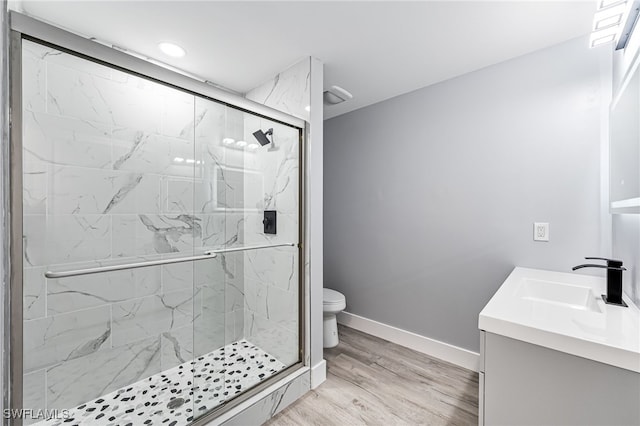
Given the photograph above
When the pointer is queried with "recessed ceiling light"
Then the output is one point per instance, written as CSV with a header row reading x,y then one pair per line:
x,y
228,141
241,144
178,159
172,49
307,108
253,146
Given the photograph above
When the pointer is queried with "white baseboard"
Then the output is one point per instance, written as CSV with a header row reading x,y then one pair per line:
x,y
318,374
444,351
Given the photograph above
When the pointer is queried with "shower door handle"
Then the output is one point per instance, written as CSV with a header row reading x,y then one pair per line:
x,y
210,254
124,266
264,246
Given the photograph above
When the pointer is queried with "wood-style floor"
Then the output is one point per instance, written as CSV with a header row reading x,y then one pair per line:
x,y
371,381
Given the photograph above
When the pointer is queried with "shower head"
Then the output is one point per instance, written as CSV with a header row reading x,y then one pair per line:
x,y
262,136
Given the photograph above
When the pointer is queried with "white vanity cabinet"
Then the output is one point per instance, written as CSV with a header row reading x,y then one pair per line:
x,y
526,384
553,353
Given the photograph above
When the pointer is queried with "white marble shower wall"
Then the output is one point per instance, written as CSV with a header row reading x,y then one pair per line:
x,y
289,91
223,226
272,276
118,168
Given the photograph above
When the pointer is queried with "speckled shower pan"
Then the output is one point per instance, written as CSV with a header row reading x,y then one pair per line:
x,y
179,395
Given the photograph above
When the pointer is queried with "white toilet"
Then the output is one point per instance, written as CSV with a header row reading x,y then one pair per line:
x,y
332,303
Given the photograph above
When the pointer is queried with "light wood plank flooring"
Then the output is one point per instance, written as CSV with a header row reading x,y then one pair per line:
x,y
371,381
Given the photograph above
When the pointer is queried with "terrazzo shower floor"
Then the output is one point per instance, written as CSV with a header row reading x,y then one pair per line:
x,y
177,396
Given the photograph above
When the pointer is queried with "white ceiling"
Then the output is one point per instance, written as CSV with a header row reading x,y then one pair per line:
x,y
376,50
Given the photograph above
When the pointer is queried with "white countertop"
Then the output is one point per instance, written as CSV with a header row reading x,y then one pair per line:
x,y
604,333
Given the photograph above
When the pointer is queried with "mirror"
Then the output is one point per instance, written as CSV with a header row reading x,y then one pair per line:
x,y
624,145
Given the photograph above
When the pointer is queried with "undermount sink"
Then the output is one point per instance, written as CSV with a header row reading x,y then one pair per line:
x,y
561,294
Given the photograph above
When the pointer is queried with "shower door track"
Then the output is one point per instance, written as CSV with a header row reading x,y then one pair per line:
x,y
210,254
116,57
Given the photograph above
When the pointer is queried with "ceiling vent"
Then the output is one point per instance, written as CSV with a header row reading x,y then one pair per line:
x,y
336,95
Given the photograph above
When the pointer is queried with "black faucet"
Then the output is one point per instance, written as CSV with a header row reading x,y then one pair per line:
x,y
614,279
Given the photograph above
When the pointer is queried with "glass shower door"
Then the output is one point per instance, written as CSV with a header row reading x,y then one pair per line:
x,y
110,167
153,293
257,273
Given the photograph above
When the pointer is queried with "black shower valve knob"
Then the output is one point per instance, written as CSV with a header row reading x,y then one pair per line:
x,y
269,222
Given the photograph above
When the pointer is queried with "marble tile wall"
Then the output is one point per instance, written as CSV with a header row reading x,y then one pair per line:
x,y
271,276
118,168
289,91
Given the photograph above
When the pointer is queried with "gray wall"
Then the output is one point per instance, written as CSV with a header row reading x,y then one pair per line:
x,y
430,197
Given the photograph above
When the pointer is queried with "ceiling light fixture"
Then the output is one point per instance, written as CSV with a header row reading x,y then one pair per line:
x,y
172,49
606,3
241,144
607,22
228,141
613,22
628,24
603,37
607,17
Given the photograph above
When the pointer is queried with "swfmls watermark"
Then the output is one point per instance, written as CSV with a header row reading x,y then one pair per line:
x,y
36,414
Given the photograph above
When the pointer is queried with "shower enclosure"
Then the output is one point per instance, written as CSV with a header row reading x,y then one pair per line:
x,y
147,291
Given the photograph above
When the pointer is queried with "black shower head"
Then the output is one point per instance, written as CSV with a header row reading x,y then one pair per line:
x,y
262,136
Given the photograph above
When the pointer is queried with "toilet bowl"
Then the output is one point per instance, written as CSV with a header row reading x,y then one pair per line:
x,y
332,303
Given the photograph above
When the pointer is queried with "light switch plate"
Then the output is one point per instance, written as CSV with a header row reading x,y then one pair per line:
x,y
541,231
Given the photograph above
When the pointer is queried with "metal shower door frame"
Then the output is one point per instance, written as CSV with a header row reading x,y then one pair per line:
x,y
24,27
